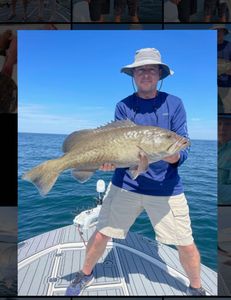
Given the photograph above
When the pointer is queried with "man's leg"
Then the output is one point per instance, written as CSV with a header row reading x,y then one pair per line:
x,y
170,219
95,249
118,10
133,10
190,259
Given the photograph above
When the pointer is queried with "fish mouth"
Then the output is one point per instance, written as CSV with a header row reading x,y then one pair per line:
x,y
180,144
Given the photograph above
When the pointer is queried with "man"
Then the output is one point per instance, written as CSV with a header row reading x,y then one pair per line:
x,y
160,187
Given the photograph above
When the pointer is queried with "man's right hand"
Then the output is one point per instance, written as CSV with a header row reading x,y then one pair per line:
x,y
107,167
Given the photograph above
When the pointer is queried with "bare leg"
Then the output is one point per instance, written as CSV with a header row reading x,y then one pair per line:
x,y
95,249
190,260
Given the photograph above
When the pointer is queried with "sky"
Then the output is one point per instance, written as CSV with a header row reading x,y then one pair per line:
x,y
71,80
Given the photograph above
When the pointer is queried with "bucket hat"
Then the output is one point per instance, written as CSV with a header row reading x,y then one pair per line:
x,y
147,56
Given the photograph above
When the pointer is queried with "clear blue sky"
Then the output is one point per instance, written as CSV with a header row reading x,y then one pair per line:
x,y
69,80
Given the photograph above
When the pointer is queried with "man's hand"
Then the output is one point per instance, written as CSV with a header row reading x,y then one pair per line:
x,y
107,167
172,159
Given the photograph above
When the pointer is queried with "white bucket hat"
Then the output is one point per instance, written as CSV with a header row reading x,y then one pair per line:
x,y
147,56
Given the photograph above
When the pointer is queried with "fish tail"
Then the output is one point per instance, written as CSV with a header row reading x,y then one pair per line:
x,y
43,176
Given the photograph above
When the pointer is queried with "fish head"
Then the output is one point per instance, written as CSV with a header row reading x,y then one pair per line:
x,y
175,143
165,143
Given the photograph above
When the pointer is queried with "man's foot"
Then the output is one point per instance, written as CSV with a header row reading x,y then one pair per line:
x,y
195,291
79,283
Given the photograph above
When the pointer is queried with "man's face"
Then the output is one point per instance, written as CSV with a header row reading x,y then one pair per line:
x,y
146,77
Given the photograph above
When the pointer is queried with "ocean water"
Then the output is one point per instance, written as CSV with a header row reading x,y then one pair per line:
x,y
68,197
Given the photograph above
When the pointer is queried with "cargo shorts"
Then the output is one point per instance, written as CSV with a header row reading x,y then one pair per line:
x,y
169,215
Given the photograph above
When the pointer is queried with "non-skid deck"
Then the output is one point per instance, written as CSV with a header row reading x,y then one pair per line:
x,y
135,266
62,12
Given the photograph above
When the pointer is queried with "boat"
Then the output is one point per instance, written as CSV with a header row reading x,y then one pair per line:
x,y
136,266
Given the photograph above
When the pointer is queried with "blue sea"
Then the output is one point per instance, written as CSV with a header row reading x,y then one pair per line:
x,y
68,197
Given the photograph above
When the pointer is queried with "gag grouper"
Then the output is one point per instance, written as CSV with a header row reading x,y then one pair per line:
x,y
122,143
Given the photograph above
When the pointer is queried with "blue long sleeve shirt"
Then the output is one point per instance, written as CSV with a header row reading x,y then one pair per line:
x,y
165,111
224,51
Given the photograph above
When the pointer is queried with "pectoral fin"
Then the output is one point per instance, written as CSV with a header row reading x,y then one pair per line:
x,y
142,166
82,176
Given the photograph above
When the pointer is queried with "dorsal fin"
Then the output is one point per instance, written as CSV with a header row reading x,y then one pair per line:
x,y
78,136
116,124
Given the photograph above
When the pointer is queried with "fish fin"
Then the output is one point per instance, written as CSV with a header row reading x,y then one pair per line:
x,y
75,138
142,165
116,124
82,176
43,176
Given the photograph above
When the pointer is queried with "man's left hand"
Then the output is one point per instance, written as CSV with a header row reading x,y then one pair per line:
x,y
172,159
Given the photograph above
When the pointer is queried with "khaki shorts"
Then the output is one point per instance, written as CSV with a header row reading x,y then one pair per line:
x,y
169,215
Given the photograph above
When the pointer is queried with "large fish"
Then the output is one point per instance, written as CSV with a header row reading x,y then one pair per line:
x,y
121,143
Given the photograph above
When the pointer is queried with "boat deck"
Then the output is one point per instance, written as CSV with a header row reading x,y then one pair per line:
x,y
135,266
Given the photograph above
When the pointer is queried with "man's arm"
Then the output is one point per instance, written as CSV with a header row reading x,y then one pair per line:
x,y
179,125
